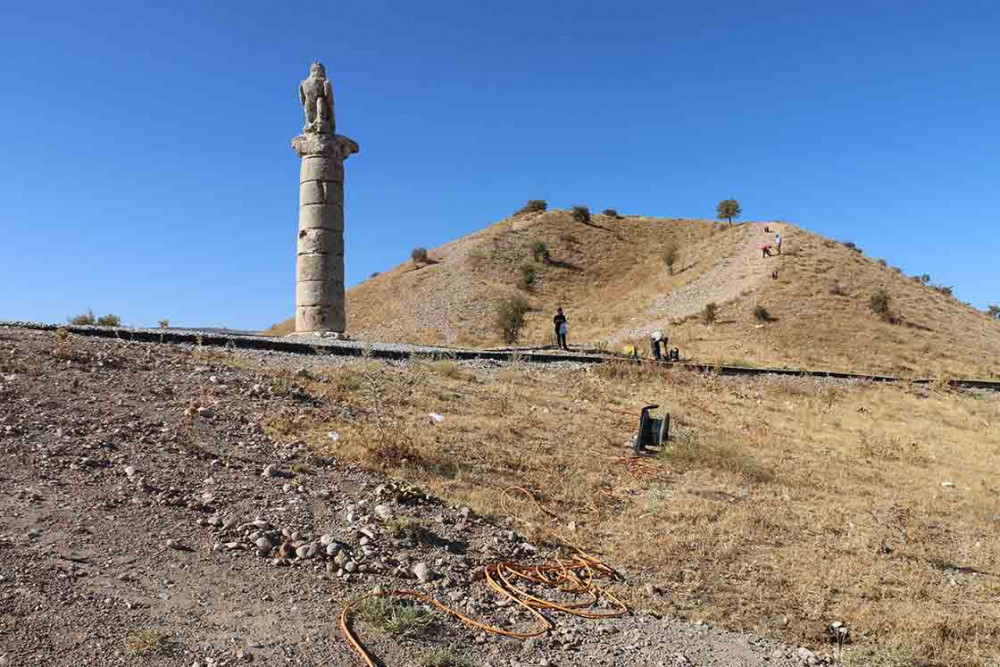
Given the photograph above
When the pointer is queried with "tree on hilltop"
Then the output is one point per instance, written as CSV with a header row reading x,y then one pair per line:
x,y
994,311
728,209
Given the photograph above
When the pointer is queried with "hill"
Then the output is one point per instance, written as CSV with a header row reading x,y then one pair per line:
x,y
611,279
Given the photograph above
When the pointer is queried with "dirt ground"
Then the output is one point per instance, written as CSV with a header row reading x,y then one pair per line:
x,y
158,507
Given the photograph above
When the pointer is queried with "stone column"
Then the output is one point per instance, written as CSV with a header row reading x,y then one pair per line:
x,y
319,271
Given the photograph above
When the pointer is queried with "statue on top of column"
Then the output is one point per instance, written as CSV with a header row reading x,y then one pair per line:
x,y
316,96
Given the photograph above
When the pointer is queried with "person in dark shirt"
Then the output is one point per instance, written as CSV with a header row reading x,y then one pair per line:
x,y
560,323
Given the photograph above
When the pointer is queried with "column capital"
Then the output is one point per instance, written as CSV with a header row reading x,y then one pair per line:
x,y
325,145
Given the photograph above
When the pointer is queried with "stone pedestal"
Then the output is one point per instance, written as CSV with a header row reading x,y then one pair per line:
x,y
319,270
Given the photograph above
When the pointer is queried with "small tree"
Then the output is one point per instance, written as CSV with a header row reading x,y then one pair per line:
x,y
925,278
510,318
540,251
533,206
611,213
879,303
670,256
993,311
581,214
728,209
419,255
164,323
527,281
109,320
710,313
85,319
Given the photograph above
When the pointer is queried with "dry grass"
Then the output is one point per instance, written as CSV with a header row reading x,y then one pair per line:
x,y
148,642
607,276
778,498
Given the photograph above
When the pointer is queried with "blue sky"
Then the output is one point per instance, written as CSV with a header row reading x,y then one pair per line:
x,y
145,166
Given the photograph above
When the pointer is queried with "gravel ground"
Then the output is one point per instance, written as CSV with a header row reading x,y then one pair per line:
x,y
146,519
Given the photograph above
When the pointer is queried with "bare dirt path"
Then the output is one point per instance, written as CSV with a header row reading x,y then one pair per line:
x,y
731,277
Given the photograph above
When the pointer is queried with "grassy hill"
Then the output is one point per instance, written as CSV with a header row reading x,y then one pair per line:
x,y
611,278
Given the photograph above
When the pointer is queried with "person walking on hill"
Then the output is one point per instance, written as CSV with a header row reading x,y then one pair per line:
x,y
560,324
777,242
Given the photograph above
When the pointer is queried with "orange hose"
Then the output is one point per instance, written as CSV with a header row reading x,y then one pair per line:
x,y
575,576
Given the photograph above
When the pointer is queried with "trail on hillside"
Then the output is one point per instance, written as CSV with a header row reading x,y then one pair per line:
x,y
731,277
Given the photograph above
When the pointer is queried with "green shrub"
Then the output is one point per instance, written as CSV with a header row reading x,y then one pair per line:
x,y
419,255
109,320
408,529
710,313
540,251
581,214
946,290
164,323
527,281
394,616
445,657
925,278
533,206
761,314
879,303
850,245
993,311
670,256
510,318
611,213
881,262
86,319
728,209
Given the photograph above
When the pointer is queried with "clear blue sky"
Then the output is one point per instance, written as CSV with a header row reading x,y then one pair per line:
x,y
145,166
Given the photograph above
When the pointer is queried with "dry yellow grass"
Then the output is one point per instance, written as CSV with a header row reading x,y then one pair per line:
x,y
608,275
781,505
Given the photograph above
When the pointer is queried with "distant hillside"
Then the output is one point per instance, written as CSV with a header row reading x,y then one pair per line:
x,y
611,279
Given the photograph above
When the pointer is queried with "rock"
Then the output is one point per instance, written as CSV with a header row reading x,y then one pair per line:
x,y
325,539
175,544
305,552
350,567
383,512
806,656
340,558
423,573
270,470
333,435
948,485
205,412
260,524
436,418
334,548
129,472
263,544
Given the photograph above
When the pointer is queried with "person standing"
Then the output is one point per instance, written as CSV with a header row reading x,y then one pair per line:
x,y
560,324
655,340
777,242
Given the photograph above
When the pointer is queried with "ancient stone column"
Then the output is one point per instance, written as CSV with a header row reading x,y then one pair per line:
x,y
319,271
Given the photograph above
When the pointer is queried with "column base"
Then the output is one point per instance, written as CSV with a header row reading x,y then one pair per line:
x,y
326,335
320,319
